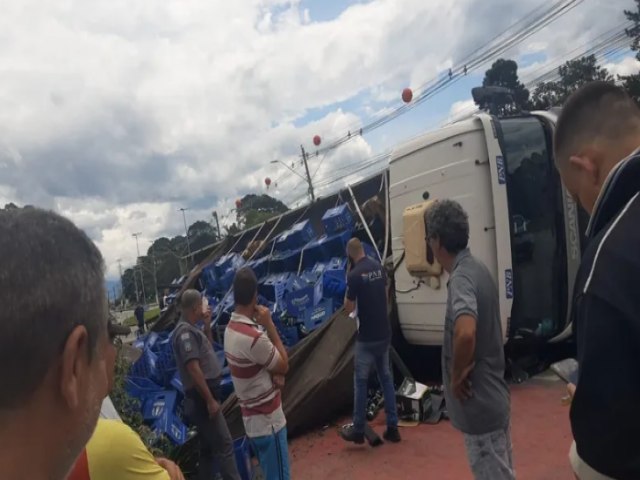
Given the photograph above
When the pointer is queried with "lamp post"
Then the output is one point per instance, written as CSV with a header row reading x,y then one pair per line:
x,y
306,178
186,233
144,296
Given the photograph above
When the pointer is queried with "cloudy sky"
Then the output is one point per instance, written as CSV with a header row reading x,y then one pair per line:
x,y
117,113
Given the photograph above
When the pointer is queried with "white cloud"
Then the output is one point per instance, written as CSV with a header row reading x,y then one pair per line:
x,y
112,107
461,109
627,66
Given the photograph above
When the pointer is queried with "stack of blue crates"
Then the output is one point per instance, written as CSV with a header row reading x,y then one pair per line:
x,y
338,219
295,238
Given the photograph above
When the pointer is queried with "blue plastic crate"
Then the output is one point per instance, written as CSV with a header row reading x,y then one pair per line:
x,y
242,453
259,266
273,287
325,248
338,219
209,279
289,335
156,404
226,262
146,366
315,317
296,237
287,261
305,292
140,387
170,425
176,382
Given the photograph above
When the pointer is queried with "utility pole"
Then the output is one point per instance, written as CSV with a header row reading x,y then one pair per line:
x,y
215,215
186,233
138,263
306,168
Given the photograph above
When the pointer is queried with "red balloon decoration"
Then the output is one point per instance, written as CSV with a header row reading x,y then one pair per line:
x,y
317,140
407,95
238,203
267,182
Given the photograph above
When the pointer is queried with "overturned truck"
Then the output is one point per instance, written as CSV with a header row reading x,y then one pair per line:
x,y
523,225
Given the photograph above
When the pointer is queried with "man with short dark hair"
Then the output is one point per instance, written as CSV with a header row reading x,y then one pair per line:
x,y
596,147
258,362
53,343
367,291
476,393
201,373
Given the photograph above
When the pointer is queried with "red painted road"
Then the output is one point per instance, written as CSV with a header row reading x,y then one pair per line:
x,y
540,431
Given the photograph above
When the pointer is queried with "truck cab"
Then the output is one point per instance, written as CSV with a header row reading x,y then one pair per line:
x,y
523,224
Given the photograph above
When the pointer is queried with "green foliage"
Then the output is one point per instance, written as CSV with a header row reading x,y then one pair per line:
x,y
504,73
573,75
255,209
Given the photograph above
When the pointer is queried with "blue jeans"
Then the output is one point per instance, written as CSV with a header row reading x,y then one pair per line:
x,y
368,355
273,454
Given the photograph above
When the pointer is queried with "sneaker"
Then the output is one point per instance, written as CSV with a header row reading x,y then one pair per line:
x,y
392,435
348,434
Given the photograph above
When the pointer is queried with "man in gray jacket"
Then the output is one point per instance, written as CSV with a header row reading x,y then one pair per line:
x,y
476,393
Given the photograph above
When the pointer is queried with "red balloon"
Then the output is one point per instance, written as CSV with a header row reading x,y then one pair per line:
x,y
238,203
407,95
267,181
317,140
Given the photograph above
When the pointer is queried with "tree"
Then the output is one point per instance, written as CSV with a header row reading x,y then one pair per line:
x,y
631,83
201,234
504,73
573,75
256,209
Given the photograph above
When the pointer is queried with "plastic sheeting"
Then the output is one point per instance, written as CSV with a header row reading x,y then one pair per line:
x,y
319,384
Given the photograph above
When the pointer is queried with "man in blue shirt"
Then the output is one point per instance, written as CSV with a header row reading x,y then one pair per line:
x,y
367,291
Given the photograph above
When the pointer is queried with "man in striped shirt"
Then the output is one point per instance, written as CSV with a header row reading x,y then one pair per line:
x,y
258,362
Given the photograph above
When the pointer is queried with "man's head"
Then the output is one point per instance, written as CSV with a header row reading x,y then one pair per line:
x,y
355,250
191,305
53,331
447,230
245,289
599,125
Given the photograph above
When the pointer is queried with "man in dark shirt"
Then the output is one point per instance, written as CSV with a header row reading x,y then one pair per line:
x,y
139,314
200,373
476,393
596,147
367,291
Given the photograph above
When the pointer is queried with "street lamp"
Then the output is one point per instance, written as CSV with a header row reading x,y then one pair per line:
x,y
186,232
144,296
306,169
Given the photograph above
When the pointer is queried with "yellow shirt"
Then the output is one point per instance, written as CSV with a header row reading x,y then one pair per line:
x,y
116,452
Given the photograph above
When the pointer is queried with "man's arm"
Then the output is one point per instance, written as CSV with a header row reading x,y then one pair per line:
x,y
262,351
352,292
193,367
464,348
465,311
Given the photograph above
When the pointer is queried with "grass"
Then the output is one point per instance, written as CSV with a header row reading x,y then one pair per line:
x,y
149,316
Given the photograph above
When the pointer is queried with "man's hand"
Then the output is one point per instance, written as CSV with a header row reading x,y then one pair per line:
x,y
172,469
278,381
213,408
206,316
461,385
263,316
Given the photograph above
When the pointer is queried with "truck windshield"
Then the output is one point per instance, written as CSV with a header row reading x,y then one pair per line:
x,y
538,246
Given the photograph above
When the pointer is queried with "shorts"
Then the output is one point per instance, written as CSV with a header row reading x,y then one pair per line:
x,y
490,455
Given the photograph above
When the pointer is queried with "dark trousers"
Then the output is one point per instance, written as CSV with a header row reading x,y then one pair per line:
x,y
216,445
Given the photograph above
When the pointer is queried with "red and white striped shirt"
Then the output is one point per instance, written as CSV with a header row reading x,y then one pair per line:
x,y
251,355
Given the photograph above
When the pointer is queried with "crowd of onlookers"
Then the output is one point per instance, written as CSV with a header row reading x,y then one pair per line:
x,y
57,351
